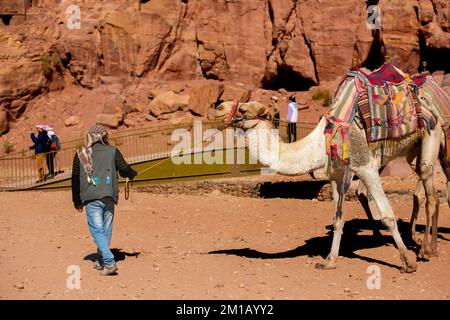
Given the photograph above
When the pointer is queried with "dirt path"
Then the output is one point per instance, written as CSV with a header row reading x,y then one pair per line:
x,y
165,242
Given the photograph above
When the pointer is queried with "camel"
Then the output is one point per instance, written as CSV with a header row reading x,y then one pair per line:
x,y
419,196
309,154
223,109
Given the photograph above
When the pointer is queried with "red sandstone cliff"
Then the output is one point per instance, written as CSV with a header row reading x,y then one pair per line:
x,y
129,51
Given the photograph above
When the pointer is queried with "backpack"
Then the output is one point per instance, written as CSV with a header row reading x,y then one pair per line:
x,y
54,142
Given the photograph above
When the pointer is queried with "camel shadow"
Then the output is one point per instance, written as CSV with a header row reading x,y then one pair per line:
x,y
420,228
351,242
119,255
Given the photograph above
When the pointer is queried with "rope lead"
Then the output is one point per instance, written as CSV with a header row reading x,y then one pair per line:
x,y
127,188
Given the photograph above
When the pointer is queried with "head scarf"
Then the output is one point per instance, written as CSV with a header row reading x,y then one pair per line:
x,y
50,131
97,133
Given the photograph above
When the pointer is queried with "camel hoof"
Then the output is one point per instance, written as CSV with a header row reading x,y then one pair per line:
x,y
409,269
424,254
434,249
325,265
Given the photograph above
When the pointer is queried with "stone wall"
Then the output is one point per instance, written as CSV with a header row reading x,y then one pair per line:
x,y
319,190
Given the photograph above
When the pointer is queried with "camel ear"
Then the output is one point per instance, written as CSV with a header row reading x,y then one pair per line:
x,y
264,113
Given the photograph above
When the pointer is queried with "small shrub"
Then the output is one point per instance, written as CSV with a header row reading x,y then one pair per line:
x,y
51,62
322,94
8,147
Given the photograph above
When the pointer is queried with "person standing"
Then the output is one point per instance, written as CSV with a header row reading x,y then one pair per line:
x,y
95,187
53,143
40,147
292,118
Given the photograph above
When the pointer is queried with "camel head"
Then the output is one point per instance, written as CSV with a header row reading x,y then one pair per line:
x,y
248,115
222,110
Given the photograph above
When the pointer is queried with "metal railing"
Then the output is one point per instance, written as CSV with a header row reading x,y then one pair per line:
x,y
19,170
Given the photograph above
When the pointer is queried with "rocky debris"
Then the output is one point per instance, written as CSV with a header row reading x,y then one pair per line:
x,y
71,121
129,123
204,96
111,120
185,118
19,285
233,91
168,102
150,118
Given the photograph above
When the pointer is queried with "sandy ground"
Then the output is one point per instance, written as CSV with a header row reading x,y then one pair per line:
x,y
264,249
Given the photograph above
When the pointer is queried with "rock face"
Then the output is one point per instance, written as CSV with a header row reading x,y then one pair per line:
x,y
3,121
120,45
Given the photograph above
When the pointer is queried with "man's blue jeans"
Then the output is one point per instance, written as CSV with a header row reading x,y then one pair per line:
x,y
100,217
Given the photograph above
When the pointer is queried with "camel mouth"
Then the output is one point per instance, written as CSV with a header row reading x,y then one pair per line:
x,y
243,123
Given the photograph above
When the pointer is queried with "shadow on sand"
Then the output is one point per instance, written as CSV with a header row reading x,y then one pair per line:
x,y
119,255
351,242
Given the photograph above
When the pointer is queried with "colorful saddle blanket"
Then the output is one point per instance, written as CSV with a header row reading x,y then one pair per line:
x,y
433,97
420,78
387,73
386,109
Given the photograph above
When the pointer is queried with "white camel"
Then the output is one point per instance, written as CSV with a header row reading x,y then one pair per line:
x,y
224,109
309,154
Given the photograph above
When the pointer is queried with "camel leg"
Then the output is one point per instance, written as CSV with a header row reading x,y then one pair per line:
x,y
418,199
371,180
338,223
362,195
413,158
429,154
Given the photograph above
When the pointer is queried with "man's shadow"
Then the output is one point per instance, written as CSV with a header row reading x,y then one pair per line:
x,y
119,255
351,242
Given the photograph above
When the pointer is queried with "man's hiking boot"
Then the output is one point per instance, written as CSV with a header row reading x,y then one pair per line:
x,y
109,271
98,265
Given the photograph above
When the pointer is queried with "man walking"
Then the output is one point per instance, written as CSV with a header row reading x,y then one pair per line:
x,y
95,187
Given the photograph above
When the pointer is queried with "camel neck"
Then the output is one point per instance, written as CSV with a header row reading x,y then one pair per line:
x,y
303,156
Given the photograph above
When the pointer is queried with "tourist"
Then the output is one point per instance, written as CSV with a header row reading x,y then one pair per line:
x,y
40,147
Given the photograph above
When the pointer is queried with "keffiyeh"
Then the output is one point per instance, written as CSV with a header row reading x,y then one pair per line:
x,y
97,133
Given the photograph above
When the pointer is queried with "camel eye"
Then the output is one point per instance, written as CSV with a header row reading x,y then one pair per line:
x,y
220,107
